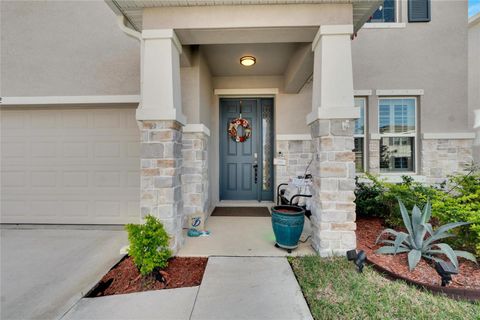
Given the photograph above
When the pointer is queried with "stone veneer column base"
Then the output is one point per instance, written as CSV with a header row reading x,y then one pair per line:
x,y
195,184
333,170
161,163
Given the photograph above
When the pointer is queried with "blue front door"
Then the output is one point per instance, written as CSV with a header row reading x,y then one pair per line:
x,y
243,164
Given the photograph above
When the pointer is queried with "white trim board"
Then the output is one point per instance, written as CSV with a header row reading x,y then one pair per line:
x,y
400,92
63,100
293,137
249,92
447,135
362,93
196,127
384,25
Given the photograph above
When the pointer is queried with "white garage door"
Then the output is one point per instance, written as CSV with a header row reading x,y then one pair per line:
x,y
72,166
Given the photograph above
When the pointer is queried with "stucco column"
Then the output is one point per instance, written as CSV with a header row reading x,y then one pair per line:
x,y
160,120
331,123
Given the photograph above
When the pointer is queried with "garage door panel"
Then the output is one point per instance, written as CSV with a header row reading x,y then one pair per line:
x,y
70,166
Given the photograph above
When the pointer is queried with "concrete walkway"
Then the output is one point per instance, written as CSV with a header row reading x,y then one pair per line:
x,y
240,237
44,272
249,288
232,288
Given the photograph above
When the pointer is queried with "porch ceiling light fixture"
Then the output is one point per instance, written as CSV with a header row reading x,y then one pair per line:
x,y
248,61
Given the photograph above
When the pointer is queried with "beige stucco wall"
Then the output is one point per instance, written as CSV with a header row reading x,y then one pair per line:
x,y
197,92
474,80
194,17
430,56
58,48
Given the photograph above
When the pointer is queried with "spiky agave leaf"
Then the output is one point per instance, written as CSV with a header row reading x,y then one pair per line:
x,y
392,242
465,255
427,213
405,217
386,231
399,240
448,251
414,257
450,226
437,237
391,250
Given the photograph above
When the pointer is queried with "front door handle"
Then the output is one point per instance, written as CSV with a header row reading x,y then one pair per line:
x,y
255,167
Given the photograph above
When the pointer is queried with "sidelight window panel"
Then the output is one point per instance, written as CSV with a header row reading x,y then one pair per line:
x,y
359,136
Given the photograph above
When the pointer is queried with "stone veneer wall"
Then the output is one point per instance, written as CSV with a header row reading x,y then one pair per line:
x,y
298,154
161,163
441,157
374,156
195,184
333,170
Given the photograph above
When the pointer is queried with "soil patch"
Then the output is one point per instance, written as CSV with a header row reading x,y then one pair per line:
x,y
125,277
368,230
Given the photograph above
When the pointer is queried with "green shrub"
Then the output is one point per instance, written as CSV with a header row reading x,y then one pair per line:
x,y
148,245
367,199
380,199
461,202
456,200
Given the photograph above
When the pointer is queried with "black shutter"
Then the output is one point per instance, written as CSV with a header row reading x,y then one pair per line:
x,y
418,10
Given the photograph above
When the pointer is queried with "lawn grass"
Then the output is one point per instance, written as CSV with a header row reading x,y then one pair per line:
x,y
335,290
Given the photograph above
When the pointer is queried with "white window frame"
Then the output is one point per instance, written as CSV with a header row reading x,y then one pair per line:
x,y
393,135
388,25
364,135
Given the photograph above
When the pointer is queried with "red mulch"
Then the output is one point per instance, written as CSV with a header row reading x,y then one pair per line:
x,y
368,230
125,278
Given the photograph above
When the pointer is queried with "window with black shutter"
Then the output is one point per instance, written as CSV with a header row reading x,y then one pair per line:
x,y
418,10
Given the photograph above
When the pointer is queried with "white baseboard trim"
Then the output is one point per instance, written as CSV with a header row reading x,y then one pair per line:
x,y
67,100
449,135
196,127
362,93
246,92
295,137
400,92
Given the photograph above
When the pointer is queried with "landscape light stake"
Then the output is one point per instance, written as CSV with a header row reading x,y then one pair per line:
x,y
445,271
358,258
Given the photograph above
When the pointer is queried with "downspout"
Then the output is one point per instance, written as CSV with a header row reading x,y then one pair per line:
x,y
122,23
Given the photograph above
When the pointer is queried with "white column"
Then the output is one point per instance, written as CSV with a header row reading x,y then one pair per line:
x,y
332,74
161,120
160,77
331,123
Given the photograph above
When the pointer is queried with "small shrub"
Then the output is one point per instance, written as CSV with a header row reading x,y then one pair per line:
x,y
380,199
148,245
461,202
421,241
367,199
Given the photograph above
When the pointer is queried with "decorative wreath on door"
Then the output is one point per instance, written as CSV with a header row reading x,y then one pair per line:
x,y
233,130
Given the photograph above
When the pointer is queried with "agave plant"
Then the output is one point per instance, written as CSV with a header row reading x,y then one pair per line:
x,y
421,239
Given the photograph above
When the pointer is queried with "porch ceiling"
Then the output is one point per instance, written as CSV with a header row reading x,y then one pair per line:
x,y
133,10
272,58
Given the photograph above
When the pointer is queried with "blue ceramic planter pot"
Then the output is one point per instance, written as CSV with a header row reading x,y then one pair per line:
x,y
287,223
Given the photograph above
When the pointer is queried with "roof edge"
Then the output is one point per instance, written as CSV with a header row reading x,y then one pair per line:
x,y
474,20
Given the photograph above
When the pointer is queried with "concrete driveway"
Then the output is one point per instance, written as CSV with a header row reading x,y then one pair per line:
x,y
44,272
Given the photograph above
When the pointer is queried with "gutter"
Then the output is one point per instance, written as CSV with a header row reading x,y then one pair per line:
x,y
122,23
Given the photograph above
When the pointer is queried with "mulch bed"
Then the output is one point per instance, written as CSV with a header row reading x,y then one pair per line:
x,y
125,278
368,230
